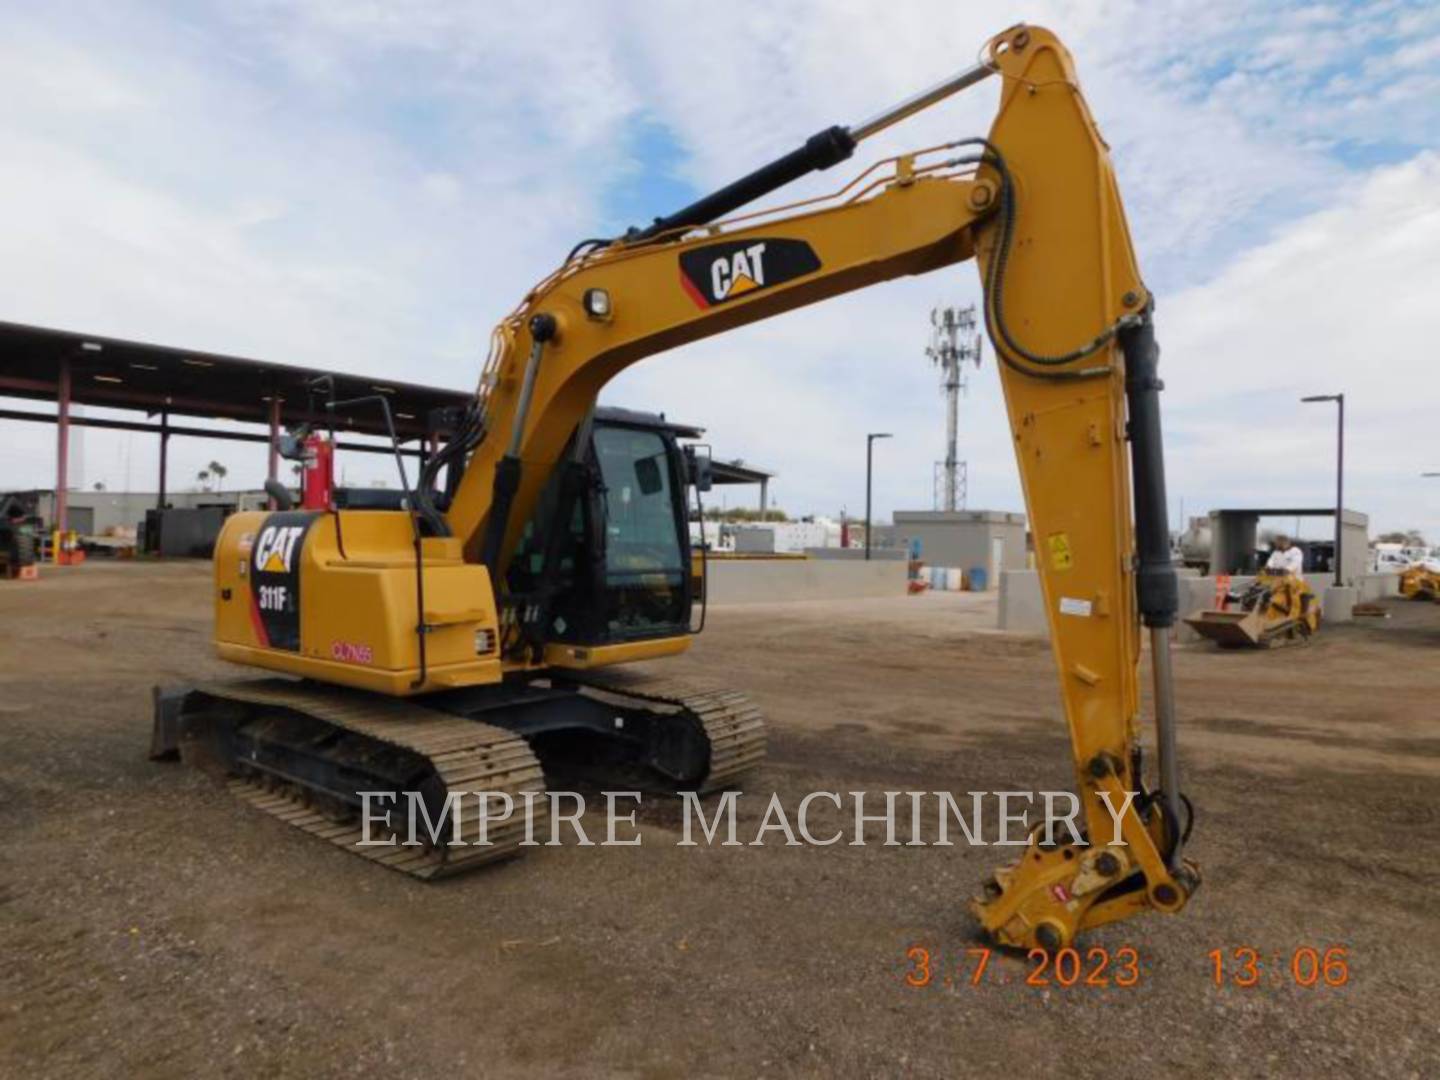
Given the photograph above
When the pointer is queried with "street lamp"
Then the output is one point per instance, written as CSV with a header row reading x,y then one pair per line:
x,y
869,476
1339,400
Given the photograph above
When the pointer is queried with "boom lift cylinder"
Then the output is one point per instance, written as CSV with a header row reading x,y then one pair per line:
x,y
820,151
507,469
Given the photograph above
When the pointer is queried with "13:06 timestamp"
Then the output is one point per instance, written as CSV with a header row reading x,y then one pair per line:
x,y
1246,967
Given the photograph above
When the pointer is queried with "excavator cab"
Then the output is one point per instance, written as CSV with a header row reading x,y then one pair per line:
x,y
606,555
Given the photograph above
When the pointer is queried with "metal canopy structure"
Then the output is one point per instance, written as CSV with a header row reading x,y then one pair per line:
x,y
732,472
103,371
1321,511
1234,536
73,368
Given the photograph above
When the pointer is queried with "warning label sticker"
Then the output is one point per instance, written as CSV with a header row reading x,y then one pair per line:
x,y
1071,606
1060,557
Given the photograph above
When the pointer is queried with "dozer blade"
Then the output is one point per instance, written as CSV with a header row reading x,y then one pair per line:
x,y
1230,629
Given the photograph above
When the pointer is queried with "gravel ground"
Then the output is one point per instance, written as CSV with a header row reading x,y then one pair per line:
x,y
152,925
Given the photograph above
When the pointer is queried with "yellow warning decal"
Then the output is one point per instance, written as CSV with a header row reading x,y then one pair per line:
x,y
1060,557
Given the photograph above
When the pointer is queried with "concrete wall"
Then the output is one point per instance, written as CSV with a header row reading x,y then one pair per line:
x,y
895,554
759,581
1023,612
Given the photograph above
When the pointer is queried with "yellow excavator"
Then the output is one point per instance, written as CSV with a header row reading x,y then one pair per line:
x,y
469,640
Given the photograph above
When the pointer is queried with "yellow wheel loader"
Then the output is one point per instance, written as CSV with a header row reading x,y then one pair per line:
x,y
1276,609
469,641
1421,582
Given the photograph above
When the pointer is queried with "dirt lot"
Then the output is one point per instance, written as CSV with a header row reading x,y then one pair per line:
x,y
151,925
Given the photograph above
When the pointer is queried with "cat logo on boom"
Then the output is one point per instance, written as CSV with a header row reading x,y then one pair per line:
x,y
717,273
738,273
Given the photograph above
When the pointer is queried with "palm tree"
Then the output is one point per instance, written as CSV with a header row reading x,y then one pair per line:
x,y
204,477
219,472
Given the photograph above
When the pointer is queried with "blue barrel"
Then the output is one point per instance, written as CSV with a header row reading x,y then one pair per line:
x,y
977,576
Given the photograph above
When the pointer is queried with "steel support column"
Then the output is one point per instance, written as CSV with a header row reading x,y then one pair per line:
x,y
272,466
1340,493
164,457
869,475
62,448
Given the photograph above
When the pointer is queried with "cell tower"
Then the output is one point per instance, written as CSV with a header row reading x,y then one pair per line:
x,y
954,343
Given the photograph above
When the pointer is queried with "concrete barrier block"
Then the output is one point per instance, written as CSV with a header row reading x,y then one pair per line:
x,y
1021,603
1337,603
1378,587
1196,594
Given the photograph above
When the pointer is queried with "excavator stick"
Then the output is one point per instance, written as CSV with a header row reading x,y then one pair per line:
x,y
1072,326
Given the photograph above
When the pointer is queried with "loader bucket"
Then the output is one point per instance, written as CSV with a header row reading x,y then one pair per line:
x,y
1231,629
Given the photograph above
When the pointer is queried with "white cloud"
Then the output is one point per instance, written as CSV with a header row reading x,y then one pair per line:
x,y
1343,300
172,193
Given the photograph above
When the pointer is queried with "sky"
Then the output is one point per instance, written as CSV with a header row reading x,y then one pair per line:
x,y
370,186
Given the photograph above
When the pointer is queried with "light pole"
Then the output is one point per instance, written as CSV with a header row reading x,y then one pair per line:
x,y
869,478
1339,400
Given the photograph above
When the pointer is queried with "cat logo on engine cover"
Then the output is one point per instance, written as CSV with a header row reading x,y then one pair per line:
x,y
275,548
275,579
716,273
